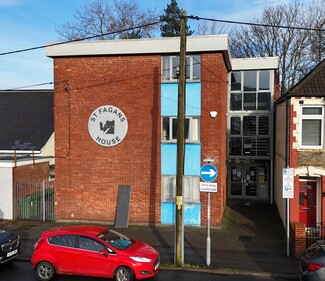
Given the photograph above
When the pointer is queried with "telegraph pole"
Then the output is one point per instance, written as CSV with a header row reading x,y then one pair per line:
x,y
179,260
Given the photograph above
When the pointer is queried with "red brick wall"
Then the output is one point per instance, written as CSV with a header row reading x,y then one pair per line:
x,y
38,171
298,240
214,130
87,174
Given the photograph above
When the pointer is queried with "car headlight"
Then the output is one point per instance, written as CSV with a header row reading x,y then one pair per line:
x,y
140,259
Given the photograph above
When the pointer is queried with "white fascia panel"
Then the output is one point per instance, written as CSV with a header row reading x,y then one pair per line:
x,y
255,63
138,46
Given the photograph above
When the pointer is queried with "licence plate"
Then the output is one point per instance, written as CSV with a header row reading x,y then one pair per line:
x,y
12,253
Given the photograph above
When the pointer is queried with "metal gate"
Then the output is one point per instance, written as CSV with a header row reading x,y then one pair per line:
x,y
34,200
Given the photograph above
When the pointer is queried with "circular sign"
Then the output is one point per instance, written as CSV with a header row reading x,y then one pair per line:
x,y
107,125
208,172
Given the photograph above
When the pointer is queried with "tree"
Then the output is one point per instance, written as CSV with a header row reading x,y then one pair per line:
x,y
110,21
291,45
171,21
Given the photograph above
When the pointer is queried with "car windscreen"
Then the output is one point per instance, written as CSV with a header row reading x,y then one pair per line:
x,y
116,239
313,250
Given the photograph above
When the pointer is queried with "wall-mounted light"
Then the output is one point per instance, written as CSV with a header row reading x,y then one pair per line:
x,y
213,114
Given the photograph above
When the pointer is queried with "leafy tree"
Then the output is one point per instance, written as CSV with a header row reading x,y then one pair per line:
x,y
171,26
294,47
110,20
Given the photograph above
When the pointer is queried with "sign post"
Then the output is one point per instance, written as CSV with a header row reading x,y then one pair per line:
x,y
287,192
208,173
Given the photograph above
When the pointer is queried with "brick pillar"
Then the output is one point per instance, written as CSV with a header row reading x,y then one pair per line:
x,y
298,240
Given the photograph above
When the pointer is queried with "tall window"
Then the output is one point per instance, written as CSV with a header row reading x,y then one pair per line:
x,y
191,129
250,91
191,192
170,68
312,127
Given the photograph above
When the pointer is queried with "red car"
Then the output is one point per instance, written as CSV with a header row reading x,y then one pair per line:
x,y
93,251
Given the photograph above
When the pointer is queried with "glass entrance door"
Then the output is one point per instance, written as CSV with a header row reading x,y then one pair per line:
x,y
248,180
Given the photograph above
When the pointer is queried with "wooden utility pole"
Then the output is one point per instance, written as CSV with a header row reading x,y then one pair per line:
x,y
179,260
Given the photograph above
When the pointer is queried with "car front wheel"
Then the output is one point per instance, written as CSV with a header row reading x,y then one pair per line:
x,y
45,271
123,274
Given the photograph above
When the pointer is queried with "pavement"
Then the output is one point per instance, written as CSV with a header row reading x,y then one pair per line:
x,y
250,241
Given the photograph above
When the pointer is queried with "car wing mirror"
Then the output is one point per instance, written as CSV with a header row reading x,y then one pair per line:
x,y
104,253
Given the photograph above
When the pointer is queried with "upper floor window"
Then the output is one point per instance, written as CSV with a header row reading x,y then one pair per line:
x,y
170,68
191,129
250,91
312,127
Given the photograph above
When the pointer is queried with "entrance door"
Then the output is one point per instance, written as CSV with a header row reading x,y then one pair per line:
x,y
307,203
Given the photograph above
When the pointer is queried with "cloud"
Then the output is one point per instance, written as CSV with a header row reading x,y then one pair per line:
x,y
10,3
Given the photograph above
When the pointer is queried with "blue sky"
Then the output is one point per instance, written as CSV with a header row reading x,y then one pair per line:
x,y
31,23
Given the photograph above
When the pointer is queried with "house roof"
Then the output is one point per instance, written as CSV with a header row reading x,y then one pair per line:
x,y
26,119
312,85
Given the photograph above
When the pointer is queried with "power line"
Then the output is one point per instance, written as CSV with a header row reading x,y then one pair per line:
x,y
77,40
258,24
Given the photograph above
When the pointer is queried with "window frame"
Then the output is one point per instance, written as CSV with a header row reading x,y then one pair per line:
x,y
193,59
193,129
311,117
194,197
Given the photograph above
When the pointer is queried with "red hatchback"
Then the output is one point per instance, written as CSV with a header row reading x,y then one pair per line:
x,y
93,251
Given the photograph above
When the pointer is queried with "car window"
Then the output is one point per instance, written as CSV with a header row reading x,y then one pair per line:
x,y
313,251
87,243
116,239
63,240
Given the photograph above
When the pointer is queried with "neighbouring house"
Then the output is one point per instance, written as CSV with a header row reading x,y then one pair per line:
x,y
116,122
299,144
26,144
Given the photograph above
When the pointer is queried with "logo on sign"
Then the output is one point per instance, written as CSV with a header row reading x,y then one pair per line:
x,y
107,125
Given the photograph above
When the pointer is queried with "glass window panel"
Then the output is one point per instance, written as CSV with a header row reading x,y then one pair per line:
x,y
263,125
249,80
235,146
188,68
195,129
186,128
236,81
249,101
236,101
168,188
263,146
235,125
312,110
311,132
166,128
196,189
166,68
264,80
249,125
264,101
174,128
301,198
175,67
249,146
236,189
310,202
196,67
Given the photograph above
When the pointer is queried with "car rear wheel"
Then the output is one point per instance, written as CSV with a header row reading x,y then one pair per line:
x,y
123,273
45,271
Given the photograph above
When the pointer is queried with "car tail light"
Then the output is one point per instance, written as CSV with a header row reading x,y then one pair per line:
x,y
314,266
38,244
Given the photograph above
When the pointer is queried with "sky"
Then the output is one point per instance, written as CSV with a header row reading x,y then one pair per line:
x,y
33,23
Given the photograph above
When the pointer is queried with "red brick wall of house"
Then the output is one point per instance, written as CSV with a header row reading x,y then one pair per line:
x,y
37,171
214,130
87,174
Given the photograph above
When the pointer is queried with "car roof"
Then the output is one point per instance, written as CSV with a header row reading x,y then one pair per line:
x,y
92,230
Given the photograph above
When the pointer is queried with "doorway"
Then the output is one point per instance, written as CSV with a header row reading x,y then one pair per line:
x,y
307,203
249,180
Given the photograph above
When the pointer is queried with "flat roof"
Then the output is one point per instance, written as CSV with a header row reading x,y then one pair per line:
x,y
211,43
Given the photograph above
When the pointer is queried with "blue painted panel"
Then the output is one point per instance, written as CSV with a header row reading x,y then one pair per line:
x,y
192,213
169,97
192,159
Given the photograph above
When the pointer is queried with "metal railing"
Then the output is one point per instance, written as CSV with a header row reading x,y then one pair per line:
x,y
34,200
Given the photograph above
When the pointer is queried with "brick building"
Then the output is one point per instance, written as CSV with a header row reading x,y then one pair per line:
x,y
115,106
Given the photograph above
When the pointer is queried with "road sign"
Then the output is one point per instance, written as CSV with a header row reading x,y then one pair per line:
x,y
208,172
208,187
287,183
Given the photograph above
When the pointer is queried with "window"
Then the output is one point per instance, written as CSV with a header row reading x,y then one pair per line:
x,y
89,244
249,135
63,240
191,192
191,129
170,66
312,126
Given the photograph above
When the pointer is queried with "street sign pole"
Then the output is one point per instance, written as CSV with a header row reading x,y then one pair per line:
x,y
208,236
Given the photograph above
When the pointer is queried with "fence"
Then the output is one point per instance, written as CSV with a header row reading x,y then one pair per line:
x,y
315,233
34,200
